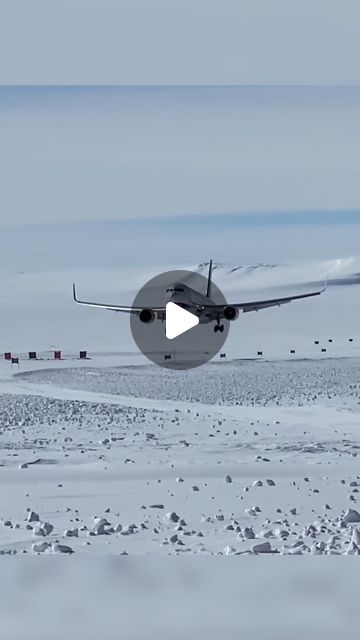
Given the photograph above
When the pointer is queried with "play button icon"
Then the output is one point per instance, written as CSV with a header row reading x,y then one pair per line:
x,y
178,320
171,304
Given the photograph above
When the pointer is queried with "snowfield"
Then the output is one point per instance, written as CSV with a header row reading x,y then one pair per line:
x,y
242,456
231,458
113,457
333,382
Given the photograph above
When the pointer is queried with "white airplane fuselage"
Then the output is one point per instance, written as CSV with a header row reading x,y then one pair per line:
x,y
191,300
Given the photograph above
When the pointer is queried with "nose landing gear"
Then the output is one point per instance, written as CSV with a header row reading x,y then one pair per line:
x,y
219,327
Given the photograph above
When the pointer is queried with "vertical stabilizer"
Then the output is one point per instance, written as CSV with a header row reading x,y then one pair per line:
x,y
208,288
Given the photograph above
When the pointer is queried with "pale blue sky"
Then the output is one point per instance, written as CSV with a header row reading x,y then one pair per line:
x,y
177,242
70,154
179,41
105,176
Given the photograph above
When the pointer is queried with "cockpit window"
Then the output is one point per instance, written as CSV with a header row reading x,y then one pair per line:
x,y
175,289
178,289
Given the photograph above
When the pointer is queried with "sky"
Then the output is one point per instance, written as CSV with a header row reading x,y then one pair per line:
x,y
163,133
179,42
113,153
118,175
173,244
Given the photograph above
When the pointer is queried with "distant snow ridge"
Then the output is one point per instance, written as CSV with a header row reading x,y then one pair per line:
x,y
343,271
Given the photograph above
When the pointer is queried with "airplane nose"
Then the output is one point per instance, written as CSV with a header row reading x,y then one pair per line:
x,y
179,301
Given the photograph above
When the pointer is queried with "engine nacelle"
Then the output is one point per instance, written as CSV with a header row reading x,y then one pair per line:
x,y
231,313
146,316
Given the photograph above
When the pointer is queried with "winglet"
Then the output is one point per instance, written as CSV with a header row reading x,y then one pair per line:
x,y
326,283
74,292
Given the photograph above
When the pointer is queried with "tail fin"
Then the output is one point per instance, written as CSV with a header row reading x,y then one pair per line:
x,y
208,288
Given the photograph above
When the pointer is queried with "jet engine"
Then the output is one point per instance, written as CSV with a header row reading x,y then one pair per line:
x,y
146,316
231,313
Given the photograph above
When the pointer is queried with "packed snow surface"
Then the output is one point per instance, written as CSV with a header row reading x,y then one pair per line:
x,y
331,382
231,458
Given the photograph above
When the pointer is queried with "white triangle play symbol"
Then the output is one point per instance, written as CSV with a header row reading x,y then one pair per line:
x,y
178,320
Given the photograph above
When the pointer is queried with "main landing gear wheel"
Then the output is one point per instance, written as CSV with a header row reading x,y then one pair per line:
x,y
219,327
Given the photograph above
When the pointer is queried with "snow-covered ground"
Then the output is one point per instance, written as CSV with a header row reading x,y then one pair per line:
x,y
245,456
122,460
113,455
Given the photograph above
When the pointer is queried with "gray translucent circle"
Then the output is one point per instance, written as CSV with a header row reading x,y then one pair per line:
x,y
189,350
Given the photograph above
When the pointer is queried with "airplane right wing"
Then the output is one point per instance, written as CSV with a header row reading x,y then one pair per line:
x,y
257,305
114,307
276,302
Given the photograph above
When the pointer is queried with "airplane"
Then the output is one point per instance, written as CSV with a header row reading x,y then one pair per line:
x,y
199,304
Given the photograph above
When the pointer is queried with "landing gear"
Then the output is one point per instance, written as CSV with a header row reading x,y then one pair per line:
x,y
219,327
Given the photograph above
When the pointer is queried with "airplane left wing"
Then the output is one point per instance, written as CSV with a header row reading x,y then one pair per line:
x,y
115,307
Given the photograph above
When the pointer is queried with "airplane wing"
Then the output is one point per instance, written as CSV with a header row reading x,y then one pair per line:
x,y
257,305
114,307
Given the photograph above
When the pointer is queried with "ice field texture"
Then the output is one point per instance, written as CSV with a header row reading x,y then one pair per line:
x,y
247,455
